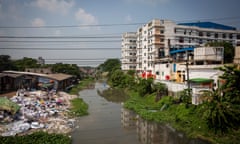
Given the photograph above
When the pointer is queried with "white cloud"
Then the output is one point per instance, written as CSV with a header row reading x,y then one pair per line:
x,y
38,22
128,18
61,6
85,18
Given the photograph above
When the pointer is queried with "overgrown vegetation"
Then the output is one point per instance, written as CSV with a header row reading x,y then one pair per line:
x,y
215,120
37,138
21,64
85,83
78,108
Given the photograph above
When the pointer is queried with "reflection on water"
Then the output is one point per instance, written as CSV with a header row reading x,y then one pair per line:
x,y
103,124
149,132
113,95
109,123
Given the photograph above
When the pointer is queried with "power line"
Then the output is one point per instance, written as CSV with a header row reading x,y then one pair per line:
x,y
68,26
60,37
116,24
21,48
31,41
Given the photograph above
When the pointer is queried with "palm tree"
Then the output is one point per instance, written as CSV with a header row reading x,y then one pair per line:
x,y
221,106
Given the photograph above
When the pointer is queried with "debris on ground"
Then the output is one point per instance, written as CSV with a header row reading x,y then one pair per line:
x,y
30,111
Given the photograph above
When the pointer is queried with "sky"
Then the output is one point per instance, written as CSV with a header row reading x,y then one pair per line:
x,y
80,31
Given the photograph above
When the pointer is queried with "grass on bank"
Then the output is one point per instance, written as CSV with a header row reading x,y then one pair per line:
x,y
78,106
186,118
37,138
81,85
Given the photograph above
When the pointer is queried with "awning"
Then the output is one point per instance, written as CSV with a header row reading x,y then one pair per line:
x,y
201,80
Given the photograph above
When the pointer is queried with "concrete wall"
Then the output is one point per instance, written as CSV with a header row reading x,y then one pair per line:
x,y
237,55
163,71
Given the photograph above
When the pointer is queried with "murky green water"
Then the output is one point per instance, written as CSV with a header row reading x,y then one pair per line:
x,y
109,123
103,124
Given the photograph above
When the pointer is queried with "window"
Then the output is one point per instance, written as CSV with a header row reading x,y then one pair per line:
x,y
185,32
181,40
224,36
208,34
200,34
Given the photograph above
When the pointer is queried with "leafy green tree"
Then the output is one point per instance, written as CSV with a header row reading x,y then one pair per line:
x,y
110,65
231,86
161,90
185,96
221,115
6,63
24,63
71,69
221,106
131,72
228,50
145,86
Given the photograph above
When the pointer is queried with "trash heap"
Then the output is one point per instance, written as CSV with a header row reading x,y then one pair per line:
x,y
39,110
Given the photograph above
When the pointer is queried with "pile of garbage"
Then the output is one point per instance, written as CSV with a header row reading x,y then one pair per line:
x,y
39,110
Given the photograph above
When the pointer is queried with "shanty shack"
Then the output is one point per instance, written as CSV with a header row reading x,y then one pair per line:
x,y
10,81
58,81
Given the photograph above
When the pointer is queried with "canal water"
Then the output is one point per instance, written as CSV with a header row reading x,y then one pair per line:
x,y
103,124
109,123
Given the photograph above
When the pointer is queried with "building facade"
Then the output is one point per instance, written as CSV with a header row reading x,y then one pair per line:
x,y
164,41
237,55
129,51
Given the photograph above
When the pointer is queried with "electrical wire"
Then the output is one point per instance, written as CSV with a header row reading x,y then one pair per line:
x,y
26,41
116,24
64,49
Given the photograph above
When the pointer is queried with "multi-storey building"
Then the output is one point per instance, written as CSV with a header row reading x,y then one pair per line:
x,y
129,51
150,44
164,41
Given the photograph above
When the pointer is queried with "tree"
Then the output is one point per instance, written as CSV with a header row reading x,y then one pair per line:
x,y
24,63
221,115
161,90
221,106
119,79
71,69
145,86
185,96
6,63
110,65
228,50
231,85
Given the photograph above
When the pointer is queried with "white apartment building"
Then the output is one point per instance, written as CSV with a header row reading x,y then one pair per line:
x,y
129,51
164,41
150,45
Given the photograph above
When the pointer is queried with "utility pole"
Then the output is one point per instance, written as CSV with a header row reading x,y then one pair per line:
x,y
187,69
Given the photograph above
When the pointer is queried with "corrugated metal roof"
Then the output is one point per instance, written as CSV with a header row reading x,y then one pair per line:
x,y
209,25
182,50
58,76
13,75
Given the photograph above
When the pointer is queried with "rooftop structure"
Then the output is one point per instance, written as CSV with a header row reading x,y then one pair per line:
x,y
129,51
164,41
209,25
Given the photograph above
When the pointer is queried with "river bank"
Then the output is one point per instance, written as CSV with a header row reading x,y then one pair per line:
x,y
43,114
103,124
182,117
